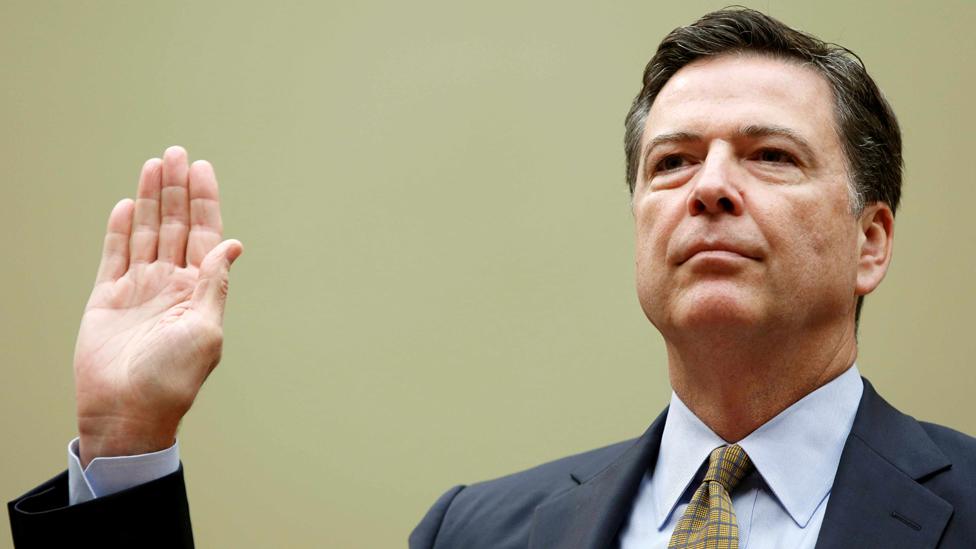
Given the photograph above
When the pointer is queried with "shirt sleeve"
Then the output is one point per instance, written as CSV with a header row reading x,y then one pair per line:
x,y
107,475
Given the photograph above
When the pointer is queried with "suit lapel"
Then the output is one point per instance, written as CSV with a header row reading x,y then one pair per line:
x,y
589,515
876,500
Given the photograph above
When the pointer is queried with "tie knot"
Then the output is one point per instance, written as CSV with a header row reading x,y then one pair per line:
x,y
727,465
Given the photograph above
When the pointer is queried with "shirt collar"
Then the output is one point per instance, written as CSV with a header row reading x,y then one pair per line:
x,y
809,436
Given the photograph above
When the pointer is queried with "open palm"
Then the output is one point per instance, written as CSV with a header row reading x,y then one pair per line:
x,y
152,328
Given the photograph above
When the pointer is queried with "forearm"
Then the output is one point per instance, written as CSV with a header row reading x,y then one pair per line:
x,y
154,514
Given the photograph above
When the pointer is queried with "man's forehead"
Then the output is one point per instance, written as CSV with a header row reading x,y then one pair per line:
x,y
725,93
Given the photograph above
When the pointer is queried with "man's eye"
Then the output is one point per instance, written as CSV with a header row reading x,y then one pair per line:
x,y
775,156
670,162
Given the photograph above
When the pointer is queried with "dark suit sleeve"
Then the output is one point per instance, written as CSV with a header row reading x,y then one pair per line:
x,y
154,514
425,534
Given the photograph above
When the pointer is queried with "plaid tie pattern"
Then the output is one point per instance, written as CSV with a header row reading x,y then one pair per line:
x,y
709,521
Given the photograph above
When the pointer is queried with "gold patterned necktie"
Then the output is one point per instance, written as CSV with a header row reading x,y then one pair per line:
x,y
709,521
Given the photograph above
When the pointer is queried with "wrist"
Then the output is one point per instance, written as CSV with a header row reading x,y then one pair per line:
x,y
120,439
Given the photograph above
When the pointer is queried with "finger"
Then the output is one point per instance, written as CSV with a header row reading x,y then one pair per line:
x,y
115,250
210,293
145,221
206,229
175,207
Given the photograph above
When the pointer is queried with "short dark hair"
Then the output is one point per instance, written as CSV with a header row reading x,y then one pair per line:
x,y
865,122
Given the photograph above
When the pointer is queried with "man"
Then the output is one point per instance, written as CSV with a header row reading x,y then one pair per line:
x,y
765,169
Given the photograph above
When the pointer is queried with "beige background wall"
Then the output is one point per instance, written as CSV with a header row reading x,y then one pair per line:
x,y
437,285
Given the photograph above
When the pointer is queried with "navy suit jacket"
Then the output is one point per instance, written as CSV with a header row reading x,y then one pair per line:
x,y
900,484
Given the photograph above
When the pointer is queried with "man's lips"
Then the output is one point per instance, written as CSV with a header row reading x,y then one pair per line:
x,y
717,250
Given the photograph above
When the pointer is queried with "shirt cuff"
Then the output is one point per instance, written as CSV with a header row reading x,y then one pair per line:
x,y
107,475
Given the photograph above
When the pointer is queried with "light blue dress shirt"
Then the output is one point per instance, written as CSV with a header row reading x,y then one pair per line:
x,y
107,475
782,502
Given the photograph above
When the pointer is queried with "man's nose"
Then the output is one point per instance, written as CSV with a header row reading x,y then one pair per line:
x,y
715,187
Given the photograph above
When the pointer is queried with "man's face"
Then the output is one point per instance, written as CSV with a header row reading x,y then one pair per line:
x,y
741,204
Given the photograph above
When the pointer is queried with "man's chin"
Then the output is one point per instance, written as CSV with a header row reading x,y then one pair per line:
x,y
716,310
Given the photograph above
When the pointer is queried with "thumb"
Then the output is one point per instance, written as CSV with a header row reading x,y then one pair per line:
x,y
210,293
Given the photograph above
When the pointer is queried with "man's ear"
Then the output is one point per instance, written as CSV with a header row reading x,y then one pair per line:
x,y
875,241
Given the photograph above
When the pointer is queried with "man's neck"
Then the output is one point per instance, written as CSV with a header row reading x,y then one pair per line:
x,y
736,384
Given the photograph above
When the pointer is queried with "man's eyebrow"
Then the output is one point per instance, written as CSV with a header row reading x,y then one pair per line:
x,y
754,131
671,137
751,131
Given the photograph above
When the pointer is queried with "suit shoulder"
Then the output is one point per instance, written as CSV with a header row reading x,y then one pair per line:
x,y
959,447
955,484
585,464
498,513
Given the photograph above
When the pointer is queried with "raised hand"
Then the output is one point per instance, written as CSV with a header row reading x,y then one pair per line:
x,y
152,329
